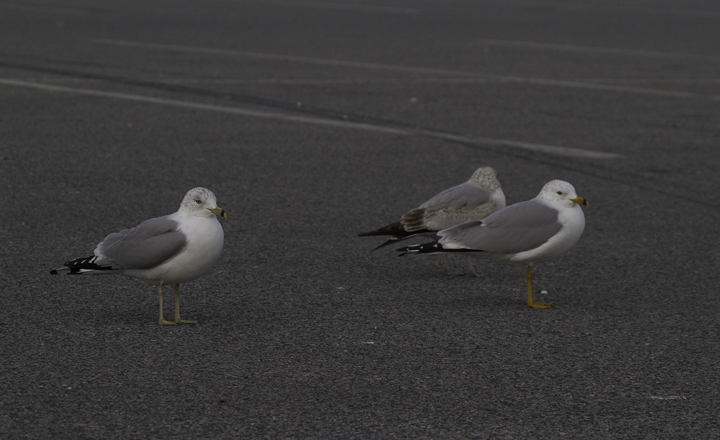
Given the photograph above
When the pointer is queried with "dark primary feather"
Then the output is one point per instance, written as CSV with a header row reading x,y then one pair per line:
x,y
432,248
394,240
391,229
397,230
75,266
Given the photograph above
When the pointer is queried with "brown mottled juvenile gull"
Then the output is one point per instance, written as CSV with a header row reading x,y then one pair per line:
x,y
475,199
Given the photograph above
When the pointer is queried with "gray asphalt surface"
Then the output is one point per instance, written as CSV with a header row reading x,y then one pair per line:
x,y
313,121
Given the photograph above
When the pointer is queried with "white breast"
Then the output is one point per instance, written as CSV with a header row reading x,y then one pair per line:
x,y
205,238
573,221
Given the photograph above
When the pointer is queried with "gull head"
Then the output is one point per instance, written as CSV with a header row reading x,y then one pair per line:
x,y
486,177
561,193
201,202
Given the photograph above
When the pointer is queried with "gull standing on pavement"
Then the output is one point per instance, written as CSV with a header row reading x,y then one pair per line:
x,y
475,199
522,234
172,249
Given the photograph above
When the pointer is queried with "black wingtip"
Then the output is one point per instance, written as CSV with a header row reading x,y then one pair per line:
x,y
77,267
427,248
389,242
396,229
406,249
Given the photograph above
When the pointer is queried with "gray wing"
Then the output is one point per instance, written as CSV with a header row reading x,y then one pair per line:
x,y
466,196
520,227
448,208
147,245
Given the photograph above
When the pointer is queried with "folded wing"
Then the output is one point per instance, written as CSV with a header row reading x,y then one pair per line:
x,y
147,245
517,228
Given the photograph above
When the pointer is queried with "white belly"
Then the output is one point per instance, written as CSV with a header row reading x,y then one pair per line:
x,y
196,259
573,226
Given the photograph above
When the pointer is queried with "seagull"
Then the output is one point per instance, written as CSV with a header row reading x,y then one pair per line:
x,y
172,249
525,233
475,199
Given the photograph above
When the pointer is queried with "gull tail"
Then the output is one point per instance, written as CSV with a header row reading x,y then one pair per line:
x,y
82,265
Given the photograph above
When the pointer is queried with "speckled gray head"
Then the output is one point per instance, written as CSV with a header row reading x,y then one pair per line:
x,y
197,200
486,177
561,192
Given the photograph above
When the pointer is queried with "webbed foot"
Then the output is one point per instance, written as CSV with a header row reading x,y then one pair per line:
x,y
539,305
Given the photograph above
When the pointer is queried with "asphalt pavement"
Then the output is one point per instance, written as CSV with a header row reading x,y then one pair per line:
x,y
313,121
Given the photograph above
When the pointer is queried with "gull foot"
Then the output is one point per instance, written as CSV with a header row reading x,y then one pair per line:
x,y
166,322
184,321
539,305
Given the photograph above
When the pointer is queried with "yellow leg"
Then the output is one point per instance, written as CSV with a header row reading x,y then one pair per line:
x,y
531,298
177,308
162,320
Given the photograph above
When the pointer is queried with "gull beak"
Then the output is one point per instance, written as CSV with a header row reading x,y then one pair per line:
x,y
218,211
580,201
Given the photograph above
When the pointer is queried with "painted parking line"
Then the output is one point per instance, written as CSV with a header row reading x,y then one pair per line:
x,y
479,141
601,50
406,69
603,7
340,6
279,57
47,9
236,81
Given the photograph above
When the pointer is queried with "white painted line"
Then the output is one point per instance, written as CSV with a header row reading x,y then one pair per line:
x,y
548,149
43,8
341,6
673,80
415,70
56,80
601,50
277,57
208,107
601,7
604,87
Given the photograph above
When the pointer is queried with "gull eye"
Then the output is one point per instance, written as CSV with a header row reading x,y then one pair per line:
x,y
198,202
560,192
